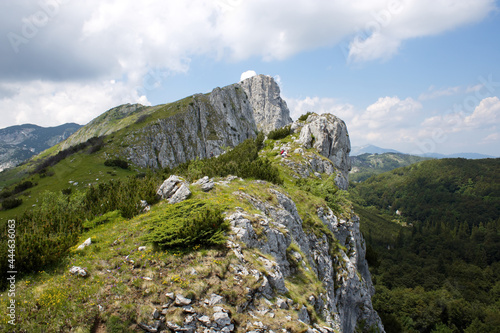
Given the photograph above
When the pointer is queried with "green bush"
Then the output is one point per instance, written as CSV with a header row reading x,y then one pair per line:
x,y
280,133
305,116
23,186
44,234
243,160
10,203
67,191
117,162
122,195
186,225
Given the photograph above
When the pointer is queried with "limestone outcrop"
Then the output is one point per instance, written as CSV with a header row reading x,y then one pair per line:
x,y
224,118
269,109
328,135
344,273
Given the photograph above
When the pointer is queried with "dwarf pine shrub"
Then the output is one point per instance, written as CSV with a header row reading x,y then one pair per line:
x,y
10,203
243,161
116,162
280,133
186,225
305,116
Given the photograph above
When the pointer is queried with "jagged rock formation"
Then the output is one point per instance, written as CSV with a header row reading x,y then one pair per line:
x,y
195,127
269,109
18,143
328,135
225,117
287,247
344,274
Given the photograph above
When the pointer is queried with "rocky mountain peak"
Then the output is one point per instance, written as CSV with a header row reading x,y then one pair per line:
x,y
269,109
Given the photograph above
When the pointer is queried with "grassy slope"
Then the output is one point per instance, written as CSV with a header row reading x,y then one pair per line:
x,y
63,302
83,168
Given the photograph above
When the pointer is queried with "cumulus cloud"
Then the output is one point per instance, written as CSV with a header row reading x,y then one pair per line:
x,y
383,122
399,20
47,103
485,116
388,112
247,74
492,138
71,45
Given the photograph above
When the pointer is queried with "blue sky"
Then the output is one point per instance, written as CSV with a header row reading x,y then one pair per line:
x,y
418,76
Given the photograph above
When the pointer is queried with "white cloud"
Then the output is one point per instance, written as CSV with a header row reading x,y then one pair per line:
x,y
492,138
319,105
48,103
388,112
399,20
247,74
83,44
485,116
383,122
433,93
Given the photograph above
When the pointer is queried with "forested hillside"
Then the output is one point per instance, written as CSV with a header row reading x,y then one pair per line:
x,y
366,165
432,230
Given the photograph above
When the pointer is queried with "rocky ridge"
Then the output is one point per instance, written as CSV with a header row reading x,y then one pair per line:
x,y
224,118
272,247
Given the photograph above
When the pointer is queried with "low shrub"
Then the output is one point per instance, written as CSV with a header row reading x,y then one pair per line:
x,y
10,203
280,133
186,225
243,161
117,162
102,219
23,187
326,189
305,116
142,118
67,191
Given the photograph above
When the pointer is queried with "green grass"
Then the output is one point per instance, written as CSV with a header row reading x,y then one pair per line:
x,y
80,168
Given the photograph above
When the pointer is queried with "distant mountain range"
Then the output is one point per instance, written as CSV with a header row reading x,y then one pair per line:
x,y
20,142
371,149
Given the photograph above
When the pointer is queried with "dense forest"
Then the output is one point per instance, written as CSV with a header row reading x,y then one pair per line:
x,y
433,238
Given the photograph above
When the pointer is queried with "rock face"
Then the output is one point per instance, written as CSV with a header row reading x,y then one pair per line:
x,y
269,110
344,274
225,117
195,127
328,135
